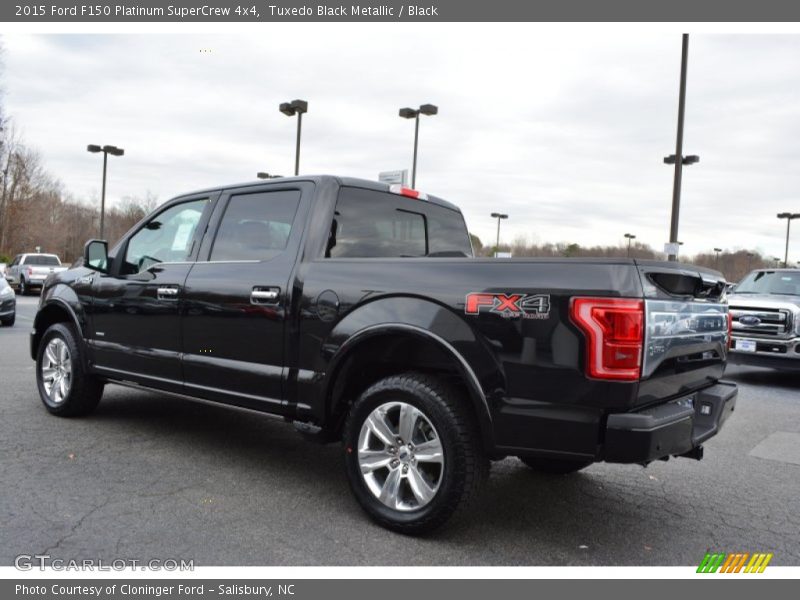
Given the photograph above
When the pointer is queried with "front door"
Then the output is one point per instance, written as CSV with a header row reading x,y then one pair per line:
x,y
135,314
237,300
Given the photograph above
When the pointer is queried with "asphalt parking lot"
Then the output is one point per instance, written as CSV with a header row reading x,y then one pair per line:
x,y
150,476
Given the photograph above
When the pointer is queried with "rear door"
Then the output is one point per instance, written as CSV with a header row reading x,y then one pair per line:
x,y
237,298
135,309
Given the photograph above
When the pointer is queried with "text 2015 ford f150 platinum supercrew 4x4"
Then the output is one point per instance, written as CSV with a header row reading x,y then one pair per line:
x,y
356,311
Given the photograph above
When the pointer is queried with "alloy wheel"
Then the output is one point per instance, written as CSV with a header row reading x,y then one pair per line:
x,y
400,456
56,370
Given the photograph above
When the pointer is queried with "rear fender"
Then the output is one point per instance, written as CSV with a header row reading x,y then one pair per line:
x,y
426,320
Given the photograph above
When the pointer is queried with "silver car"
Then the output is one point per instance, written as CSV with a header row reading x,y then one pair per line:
x,y
8,303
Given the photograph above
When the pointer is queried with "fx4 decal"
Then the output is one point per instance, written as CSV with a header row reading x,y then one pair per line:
x,y
525,306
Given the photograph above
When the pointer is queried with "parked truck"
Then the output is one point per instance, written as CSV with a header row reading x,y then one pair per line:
x,y
765,310
356,311
28,271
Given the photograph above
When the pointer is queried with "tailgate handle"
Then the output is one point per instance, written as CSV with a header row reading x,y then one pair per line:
x,y
167,293
264,295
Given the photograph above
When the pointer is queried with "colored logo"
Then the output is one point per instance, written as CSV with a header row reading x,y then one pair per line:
x,y
739,562
527,306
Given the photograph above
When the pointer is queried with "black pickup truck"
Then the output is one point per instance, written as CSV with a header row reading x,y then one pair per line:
x,y
356,311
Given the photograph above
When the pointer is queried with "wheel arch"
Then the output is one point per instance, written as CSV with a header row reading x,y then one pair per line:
x,y
352,370
55,310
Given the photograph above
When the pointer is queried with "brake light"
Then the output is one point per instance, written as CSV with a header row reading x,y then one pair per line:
x,y
614,329
30,271
408,192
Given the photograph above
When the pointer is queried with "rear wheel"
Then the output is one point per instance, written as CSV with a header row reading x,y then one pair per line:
x,y
23,287
555,466
413,454
64,387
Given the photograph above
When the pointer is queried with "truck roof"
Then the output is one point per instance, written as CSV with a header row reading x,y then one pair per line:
x,y
368,184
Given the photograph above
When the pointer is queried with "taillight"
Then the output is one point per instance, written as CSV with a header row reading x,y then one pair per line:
x,y
614,329
408,192
30,271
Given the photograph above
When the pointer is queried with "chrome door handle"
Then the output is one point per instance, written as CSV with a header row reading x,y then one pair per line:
x,y
264,295
167,293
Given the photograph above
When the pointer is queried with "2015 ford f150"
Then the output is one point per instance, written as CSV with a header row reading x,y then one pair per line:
x,y
356,311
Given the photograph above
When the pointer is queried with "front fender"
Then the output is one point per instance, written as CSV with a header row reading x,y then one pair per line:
x,y
59,303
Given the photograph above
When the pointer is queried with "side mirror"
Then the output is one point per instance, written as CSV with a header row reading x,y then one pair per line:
x,y
95,255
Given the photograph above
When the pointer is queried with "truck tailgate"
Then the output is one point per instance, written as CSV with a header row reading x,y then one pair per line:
x,y
687,330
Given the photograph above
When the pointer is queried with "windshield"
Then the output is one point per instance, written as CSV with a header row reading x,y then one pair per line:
x,y
786,283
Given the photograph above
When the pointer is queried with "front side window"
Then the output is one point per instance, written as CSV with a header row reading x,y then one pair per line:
x,y
256,226
167,237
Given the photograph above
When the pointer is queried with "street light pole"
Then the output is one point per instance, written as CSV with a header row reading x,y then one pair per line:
x,y
103,197
416,146
678,159
630,237
295,107
106,150
498,216
297,144
788,217
717,250
410,113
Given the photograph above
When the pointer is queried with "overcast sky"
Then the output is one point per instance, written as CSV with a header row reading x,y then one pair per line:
x,y
565,132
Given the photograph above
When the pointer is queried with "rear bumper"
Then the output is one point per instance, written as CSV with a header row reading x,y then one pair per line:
x,y
671,429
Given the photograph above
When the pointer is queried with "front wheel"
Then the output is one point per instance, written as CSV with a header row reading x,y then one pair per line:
x,y
64,387
413,453
9,321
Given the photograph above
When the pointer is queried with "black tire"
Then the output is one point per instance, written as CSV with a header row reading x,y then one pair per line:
x,y
9,321
465,466
23,288
84,391
555,466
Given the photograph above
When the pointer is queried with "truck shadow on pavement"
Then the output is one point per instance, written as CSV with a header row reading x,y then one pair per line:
x,y
267,461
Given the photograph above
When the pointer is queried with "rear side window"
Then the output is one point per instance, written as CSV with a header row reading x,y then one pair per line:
x,y
256,226
372,224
